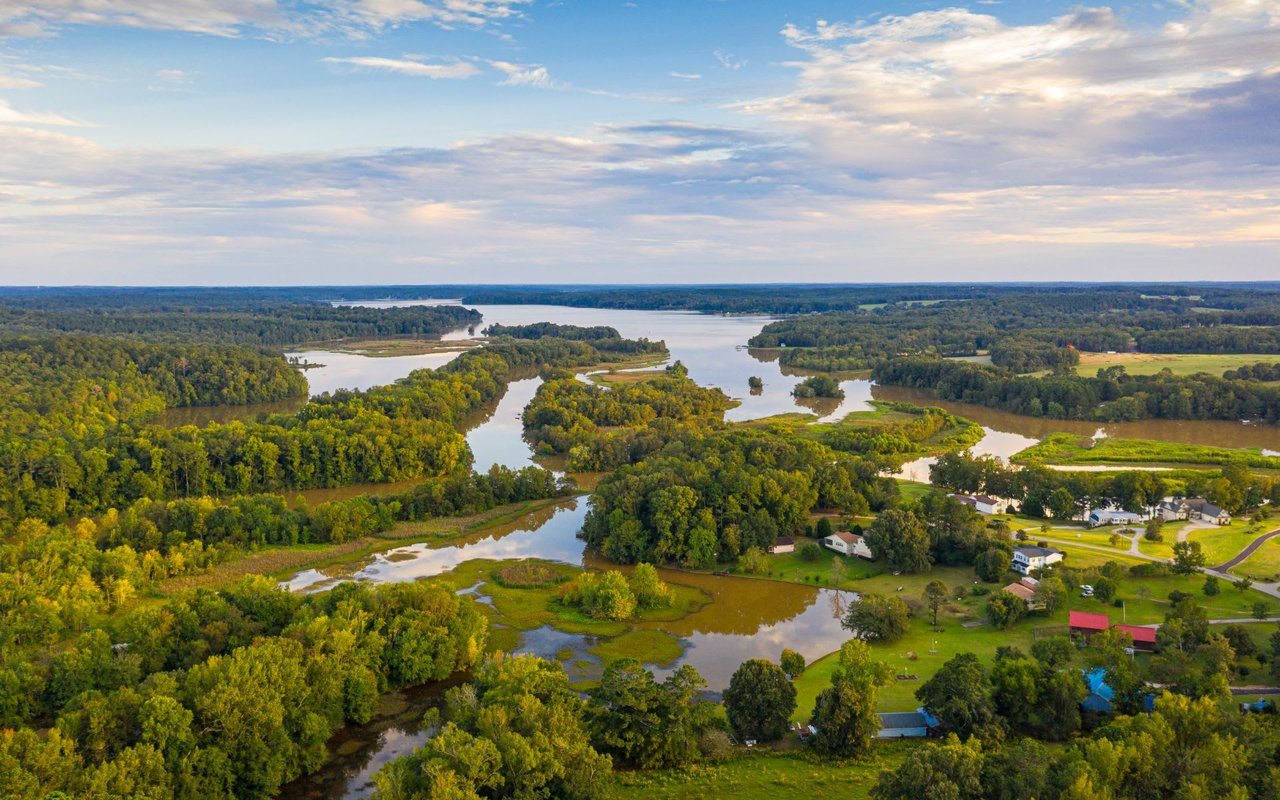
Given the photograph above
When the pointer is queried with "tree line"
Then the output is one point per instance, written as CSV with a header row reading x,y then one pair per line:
x,y
1112,395
265,318
604,338
604,427
1064,494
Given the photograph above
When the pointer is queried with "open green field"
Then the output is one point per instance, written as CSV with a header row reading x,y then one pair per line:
x,y
1221,543
1264,565
1066,449
765,775
1177,363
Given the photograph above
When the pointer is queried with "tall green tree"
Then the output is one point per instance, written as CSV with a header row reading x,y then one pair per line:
x,y
646,724
899,539
759,700
845,713
959,696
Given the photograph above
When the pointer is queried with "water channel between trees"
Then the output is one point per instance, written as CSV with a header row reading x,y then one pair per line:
x,y
745,618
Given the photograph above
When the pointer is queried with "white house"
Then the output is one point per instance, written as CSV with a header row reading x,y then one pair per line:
x,y
1113,516
1028,558
1196,509
984,504
784,544
848,544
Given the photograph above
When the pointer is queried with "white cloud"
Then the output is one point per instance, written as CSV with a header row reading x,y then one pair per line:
x,y
171,80
728,61
10,116
412,65
686,76
17,82
534,75
957,93
271,18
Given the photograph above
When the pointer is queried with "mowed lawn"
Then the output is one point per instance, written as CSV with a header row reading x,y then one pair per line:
x,y
1264,565
1222,543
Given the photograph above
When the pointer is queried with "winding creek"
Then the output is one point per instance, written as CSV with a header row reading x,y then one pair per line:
x,y
742,620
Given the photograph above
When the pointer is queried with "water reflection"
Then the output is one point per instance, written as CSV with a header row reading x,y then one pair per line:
x,y
201,416
355,371
712,346
358,752
550,533
496,435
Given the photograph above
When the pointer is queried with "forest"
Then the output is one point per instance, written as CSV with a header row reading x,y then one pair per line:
x,y
261,318
71,458
122,676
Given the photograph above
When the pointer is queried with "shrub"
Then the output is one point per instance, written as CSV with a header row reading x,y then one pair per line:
x,y
809,551
603,595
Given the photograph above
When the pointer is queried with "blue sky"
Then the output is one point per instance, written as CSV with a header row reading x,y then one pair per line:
x,y
421,141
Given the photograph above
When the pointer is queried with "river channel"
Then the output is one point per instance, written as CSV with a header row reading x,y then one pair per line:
x,y
745,618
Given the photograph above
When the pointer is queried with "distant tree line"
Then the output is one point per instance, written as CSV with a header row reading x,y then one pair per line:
x,y
1111,395
230,316
601,337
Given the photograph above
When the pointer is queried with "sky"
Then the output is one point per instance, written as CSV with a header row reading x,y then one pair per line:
x,y
194,142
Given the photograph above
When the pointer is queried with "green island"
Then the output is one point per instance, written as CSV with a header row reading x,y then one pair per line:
x,y
701,581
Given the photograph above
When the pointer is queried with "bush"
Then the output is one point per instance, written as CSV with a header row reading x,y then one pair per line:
x,y
809,551
715,744
792,663
604,595
1151,569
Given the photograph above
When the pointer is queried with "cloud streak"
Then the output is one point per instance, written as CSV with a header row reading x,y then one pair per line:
x,y
270,18
414,66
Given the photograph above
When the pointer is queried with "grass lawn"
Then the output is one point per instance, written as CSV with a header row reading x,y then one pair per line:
x,y
765,775
1264,564
822,572
1178,363
1221,543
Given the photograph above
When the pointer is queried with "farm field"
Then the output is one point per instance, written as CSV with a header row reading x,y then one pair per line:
x,y
1065,449
1177,363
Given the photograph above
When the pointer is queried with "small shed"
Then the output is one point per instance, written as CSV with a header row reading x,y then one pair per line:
x,y
784,544
903,725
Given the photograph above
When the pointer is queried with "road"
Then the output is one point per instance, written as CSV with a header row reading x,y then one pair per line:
x,y
1248,551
